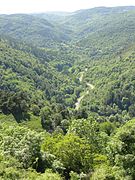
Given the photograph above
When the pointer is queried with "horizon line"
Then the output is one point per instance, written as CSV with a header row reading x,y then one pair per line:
x,y
60,11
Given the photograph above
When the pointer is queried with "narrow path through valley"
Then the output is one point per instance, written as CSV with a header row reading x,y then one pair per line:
x,y
81,76
91,86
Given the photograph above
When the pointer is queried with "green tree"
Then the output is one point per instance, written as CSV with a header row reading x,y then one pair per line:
x,y
46,120
22,144
74,153
121,149
88,129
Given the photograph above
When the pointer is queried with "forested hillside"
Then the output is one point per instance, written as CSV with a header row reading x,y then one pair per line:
x,y
67,95
29,29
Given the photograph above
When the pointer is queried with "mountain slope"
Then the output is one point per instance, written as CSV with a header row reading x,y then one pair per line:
x,y
31,30
28,82
103,35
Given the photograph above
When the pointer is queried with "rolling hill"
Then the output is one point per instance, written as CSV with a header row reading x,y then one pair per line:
x,y
31,30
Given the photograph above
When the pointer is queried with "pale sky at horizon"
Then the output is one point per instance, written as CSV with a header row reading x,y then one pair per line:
x,y
30,6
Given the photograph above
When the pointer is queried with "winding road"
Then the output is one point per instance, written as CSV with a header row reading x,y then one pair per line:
x,y
91,86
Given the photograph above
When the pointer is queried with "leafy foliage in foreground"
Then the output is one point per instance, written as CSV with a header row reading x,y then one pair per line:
x,y
20,154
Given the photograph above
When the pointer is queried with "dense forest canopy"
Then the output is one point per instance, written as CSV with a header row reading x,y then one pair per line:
x,y
67,95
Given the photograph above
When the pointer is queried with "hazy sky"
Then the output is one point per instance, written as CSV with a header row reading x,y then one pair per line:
x,y
25,6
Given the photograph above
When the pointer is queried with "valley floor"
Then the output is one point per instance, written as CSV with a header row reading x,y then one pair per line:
x,y
90,86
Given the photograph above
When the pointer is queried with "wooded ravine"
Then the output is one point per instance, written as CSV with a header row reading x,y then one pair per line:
x,y
67,95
